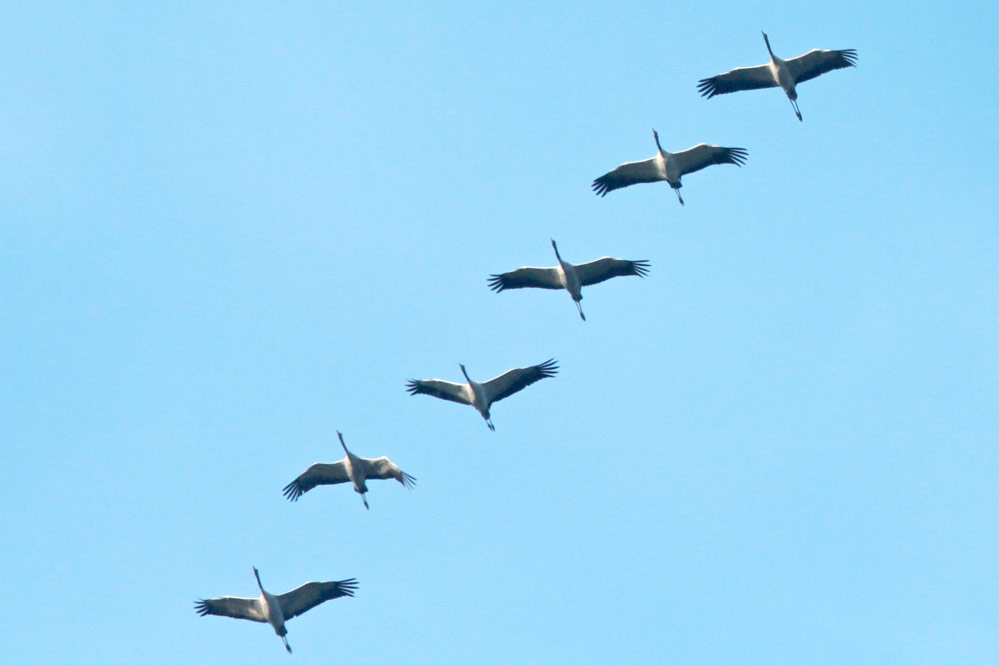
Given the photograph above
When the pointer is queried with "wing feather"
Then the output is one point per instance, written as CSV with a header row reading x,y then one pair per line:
x,y
542,278
514,380
440,389
743,78
702,155
310,595
605,268
818,61
383,468
238,607
630,173
318,474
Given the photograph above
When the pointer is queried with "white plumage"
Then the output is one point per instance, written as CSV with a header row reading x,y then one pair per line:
x,y
277,609
786,74
482,396
352,468
668,166
571,277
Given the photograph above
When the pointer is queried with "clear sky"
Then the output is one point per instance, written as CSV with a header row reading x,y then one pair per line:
x,y
230,229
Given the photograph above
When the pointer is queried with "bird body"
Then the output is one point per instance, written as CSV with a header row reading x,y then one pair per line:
x,y
352,468
272,611
480,398
786,74
483,395
571,277
277,609
668,167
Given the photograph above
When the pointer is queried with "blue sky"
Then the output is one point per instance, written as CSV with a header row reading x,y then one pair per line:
x,y
230,230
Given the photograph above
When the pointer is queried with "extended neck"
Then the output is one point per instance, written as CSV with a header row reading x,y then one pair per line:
x,y
557,255
259,584
658,145
467,378
342,443
767,40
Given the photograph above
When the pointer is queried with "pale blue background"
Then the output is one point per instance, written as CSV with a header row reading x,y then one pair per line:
x,y
229,229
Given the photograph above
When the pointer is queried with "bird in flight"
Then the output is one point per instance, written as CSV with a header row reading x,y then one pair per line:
x,y
482,396
668,166
352,468
571,277
277,609
786,74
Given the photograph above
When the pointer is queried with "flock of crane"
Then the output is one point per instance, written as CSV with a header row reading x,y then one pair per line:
x,y
665,166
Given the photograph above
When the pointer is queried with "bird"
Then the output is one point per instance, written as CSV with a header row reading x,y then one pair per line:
x,y
668,166
277,609
353,468
482,396
778,72
571,277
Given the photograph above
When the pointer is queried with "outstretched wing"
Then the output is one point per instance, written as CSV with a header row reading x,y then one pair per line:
x,y
817,61
238,607
383,468
317,475
440,389
743,78
605,268
703,155
310,595
629,173
512,381
542,278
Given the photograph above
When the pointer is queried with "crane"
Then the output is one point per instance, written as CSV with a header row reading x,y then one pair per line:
x,y
353,468
778,72
482,396
277,609
668,166
571,277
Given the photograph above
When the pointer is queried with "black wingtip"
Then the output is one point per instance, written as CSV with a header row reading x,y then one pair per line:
x,y
737,156
641,267
348,587
549,368
600,187
293,491
496,283
201,607
707,88
413,386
